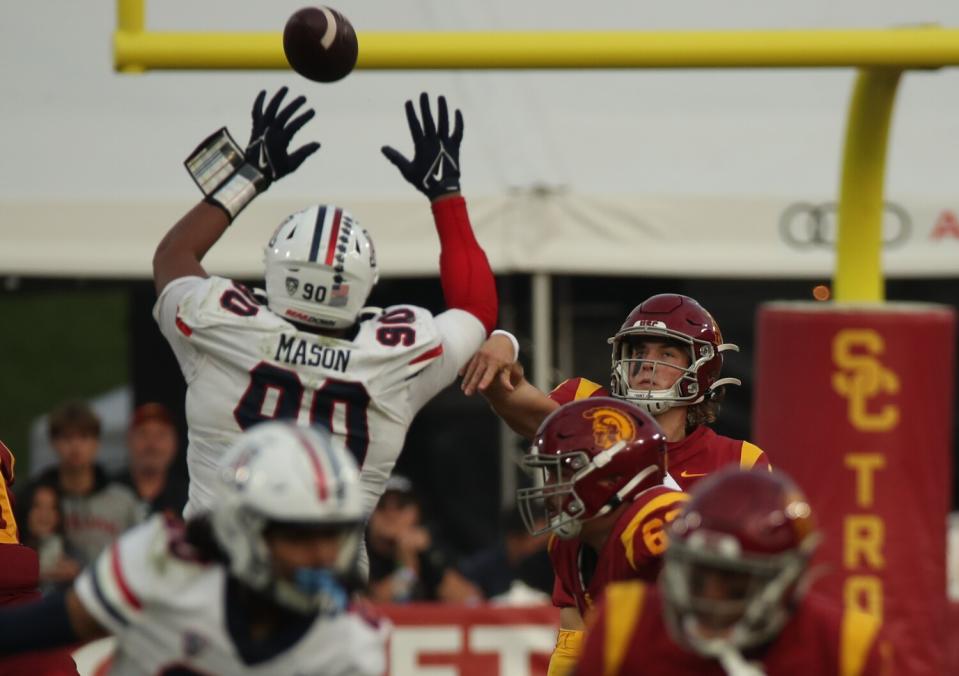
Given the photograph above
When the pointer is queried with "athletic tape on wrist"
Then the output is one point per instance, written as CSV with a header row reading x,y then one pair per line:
x,y
213,162
239,189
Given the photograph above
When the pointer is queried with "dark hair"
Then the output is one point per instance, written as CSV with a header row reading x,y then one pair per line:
x,y
73,417
151,411
27,534
706,411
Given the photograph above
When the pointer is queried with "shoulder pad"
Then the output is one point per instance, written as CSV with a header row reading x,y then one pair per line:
x,y
751,456
574,389
217,300
7,463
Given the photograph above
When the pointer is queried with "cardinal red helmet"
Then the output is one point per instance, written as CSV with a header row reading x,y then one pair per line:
x,y
676,318
594,454
736,555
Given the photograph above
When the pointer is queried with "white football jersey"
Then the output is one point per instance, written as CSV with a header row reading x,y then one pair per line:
x,y
170,613
244,364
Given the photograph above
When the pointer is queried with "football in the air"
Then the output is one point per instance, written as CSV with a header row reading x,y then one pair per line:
x,y
320,44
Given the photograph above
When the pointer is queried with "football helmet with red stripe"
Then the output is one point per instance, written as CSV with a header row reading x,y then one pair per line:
x,y
593,455
284,482
736,558
320,268
639,374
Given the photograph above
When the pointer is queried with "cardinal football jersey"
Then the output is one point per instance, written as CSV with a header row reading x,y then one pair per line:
x,y
8,524
244,364
689,460
170,614
632,550
628,635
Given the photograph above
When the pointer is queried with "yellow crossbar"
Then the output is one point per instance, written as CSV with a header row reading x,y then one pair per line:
x,y
893,48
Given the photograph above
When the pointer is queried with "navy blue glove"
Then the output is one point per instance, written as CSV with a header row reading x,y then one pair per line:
x,y
434,169
269,147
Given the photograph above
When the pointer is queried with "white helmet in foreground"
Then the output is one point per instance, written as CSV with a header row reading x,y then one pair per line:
x,y
320,268
278,474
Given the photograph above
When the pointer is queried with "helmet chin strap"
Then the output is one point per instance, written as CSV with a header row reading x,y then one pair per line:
x,y
621,494
568,529
654,406
722,650
571,528
734,664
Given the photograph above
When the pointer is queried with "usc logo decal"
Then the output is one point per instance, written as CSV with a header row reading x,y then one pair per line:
x,y
610,426
862,377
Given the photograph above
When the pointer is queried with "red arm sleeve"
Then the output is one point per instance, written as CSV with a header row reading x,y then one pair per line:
x,y
468,282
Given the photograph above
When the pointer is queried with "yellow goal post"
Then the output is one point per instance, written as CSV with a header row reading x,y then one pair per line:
x,y
880,55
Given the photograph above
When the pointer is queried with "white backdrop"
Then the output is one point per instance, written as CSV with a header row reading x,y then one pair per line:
x,y
624,171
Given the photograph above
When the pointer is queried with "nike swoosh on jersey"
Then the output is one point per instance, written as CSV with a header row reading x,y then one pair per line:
x,y
686,475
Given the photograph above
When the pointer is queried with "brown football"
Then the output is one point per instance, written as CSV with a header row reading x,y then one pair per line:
x,y
320,44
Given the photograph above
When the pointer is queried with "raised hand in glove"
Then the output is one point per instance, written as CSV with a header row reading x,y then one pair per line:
x,y
269,147
230,177
434,169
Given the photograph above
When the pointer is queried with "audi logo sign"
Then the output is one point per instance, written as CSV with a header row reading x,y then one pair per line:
x,y
805,225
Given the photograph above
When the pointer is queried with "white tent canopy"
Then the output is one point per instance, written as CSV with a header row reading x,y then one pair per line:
x,y
705,237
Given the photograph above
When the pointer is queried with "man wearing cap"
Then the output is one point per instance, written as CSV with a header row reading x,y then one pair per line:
x,y
152,441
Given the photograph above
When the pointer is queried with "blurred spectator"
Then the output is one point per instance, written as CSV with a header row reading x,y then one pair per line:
x,y
95,509
516,567
152,443
44,532
406,563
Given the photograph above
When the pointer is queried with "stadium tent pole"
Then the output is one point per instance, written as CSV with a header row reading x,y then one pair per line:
x,y
858,274
542,334
509,441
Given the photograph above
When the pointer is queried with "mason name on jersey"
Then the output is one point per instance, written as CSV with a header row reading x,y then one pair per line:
x,y
302,352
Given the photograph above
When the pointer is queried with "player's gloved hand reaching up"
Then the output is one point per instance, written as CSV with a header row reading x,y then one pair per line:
x,y
269,147
230,177
434,169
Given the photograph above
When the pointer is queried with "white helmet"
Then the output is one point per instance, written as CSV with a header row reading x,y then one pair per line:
x,y
320,268
278,473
